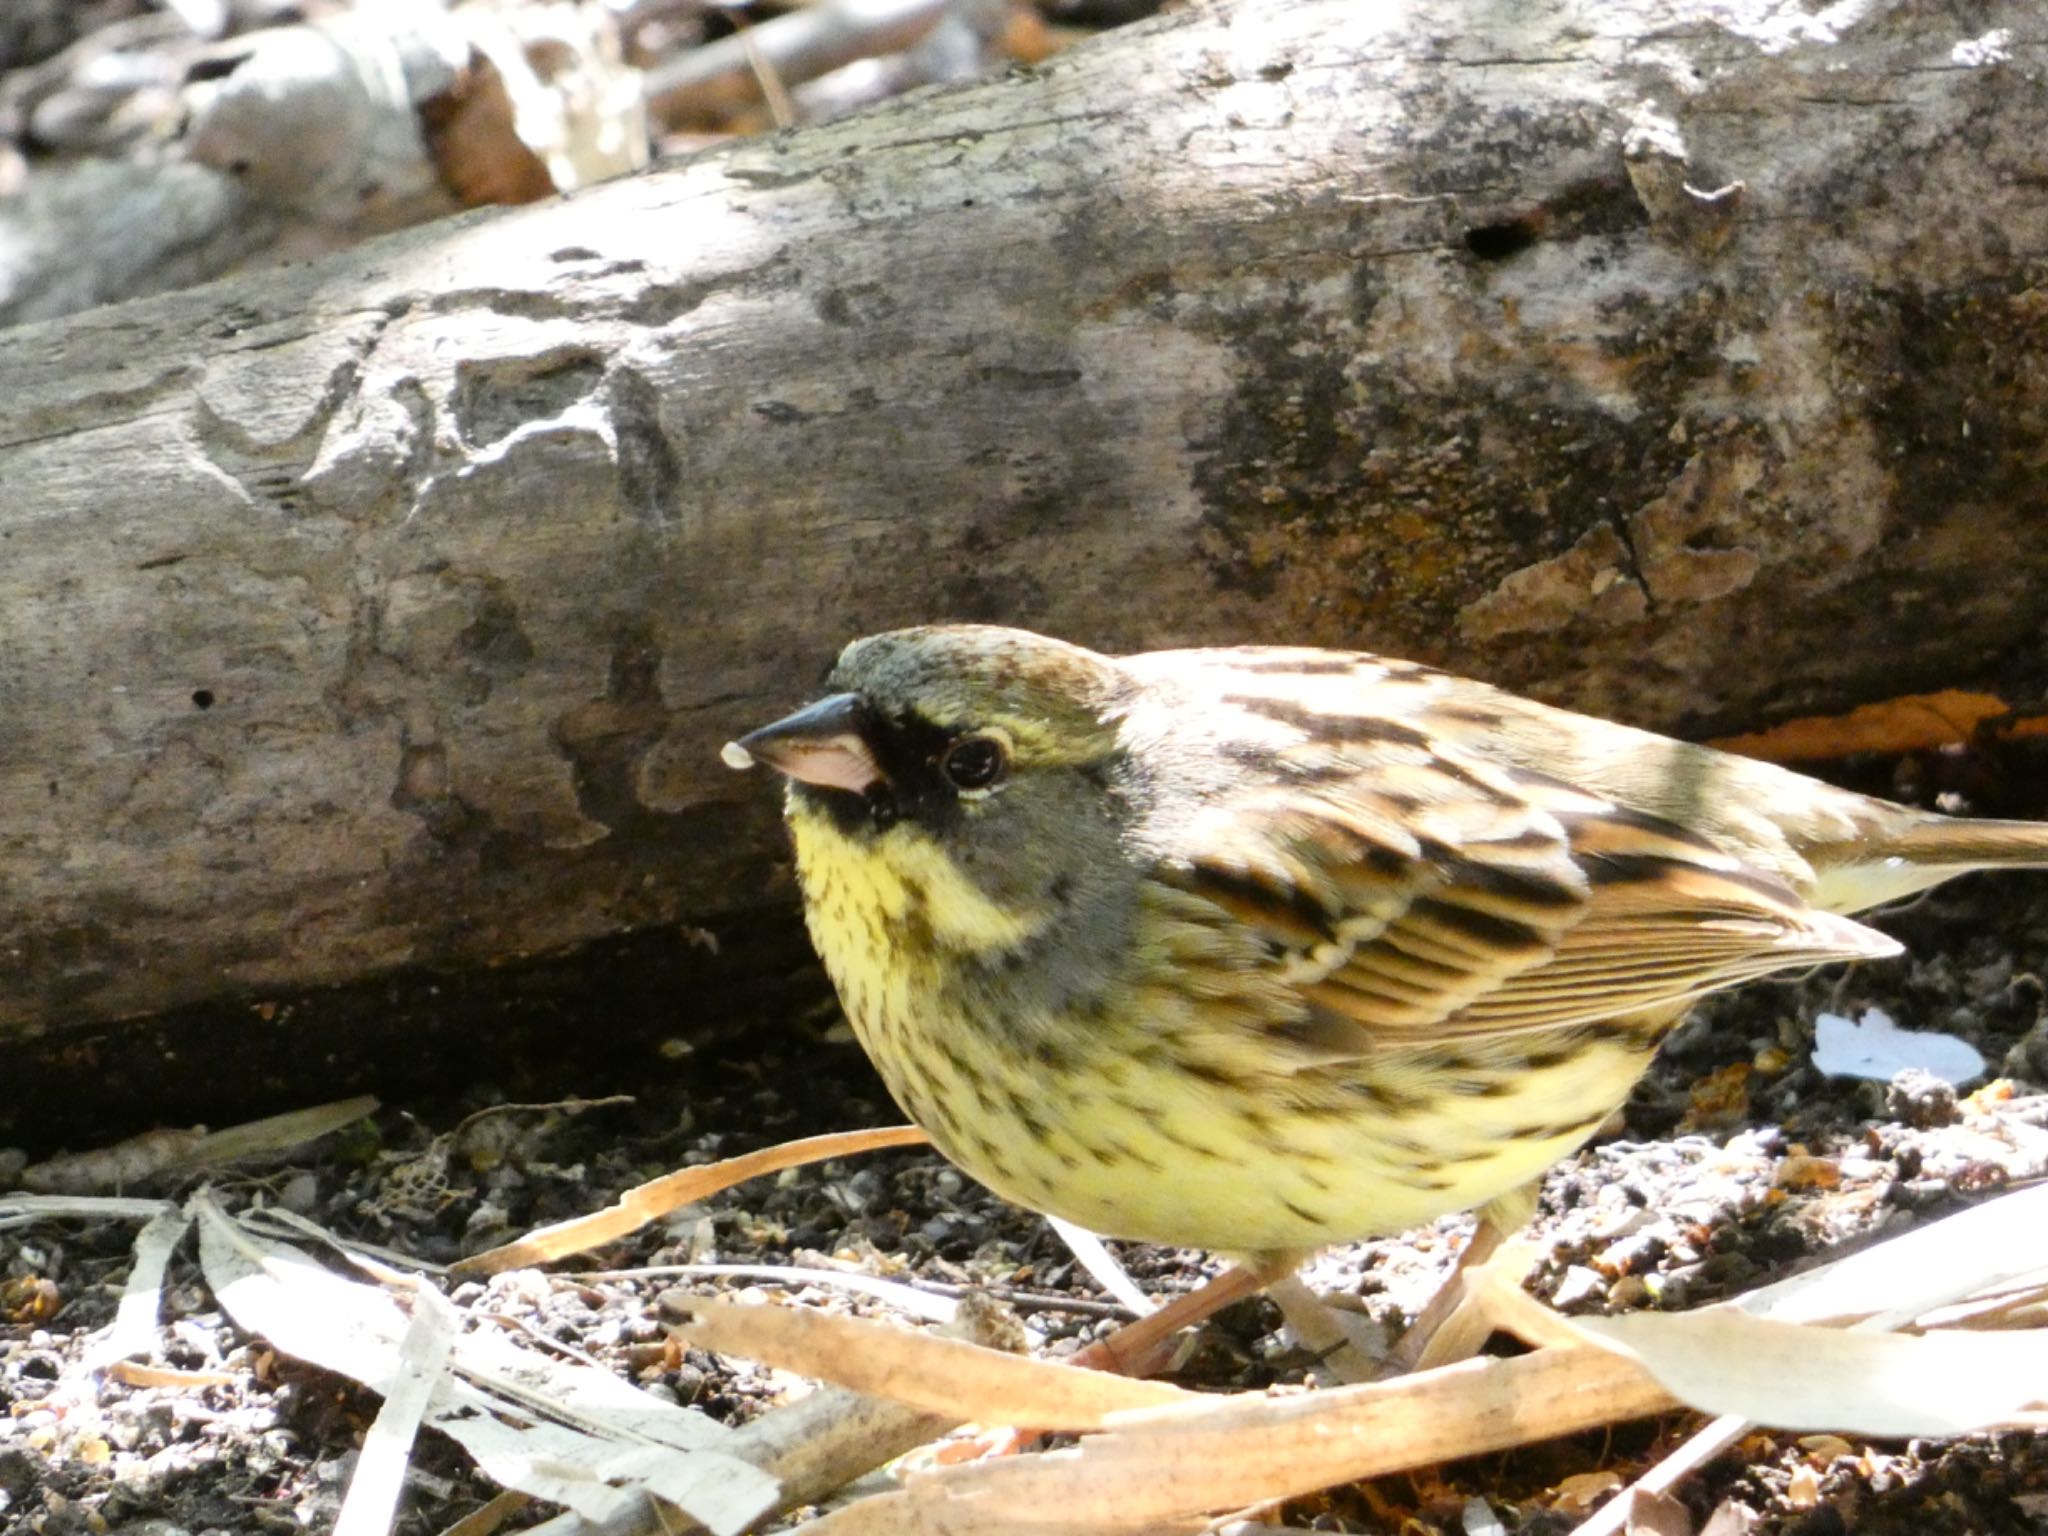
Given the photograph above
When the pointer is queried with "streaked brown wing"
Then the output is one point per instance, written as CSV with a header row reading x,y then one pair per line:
x,y
1419,902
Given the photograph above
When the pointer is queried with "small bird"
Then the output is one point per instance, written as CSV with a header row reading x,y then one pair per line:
x,y
1263,949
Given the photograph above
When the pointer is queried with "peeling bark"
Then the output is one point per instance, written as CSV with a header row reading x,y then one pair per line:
x,y
1681,361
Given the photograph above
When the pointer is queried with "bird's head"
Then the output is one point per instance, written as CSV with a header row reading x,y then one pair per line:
x,y
968,751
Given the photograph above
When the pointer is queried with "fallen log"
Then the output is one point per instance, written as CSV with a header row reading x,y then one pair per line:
x,y
383,616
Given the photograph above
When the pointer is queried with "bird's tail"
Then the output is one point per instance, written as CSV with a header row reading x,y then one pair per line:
x,y
1968,843
1920,853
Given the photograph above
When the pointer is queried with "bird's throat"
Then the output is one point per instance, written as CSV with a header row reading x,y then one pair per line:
x,y
897,885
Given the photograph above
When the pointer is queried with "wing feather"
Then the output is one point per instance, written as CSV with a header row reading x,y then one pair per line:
x,y
1426,898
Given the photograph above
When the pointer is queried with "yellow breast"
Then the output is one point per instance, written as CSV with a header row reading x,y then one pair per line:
x,y
1157,1115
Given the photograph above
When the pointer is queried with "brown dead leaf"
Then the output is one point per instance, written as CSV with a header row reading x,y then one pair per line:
x,y
1720,1098
1911,723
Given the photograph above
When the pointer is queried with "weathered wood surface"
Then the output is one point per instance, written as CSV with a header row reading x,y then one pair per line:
x,y
389,611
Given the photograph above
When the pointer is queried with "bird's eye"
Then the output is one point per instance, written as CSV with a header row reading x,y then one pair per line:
x,y
975,762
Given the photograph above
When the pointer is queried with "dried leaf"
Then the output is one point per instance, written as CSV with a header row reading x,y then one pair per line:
x,y
1721,1360
134,1326
1910,723
940,1375
1985,1247
571,1434
371,1503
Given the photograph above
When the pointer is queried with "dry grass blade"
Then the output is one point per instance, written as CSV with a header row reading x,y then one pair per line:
x,y
1796,1376
130,1374
900,1514
429,1343
1166,1464
657,1197
1102,1265
482,1522
816,1446
939,1375
16,1209
134,1325
277,1134
926,1306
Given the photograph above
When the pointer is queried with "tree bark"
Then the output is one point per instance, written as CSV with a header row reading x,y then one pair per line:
x,y
1675,360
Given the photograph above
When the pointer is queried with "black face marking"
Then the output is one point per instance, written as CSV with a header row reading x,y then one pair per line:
x,y
909,750
848,812
880,803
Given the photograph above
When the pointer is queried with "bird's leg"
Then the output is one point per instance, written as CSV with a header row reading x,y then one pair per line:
x,y
1344,1344
1453,1325
1144,1347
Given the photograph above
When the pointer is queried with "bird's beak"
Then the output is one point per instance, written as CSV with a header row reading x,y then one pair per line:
x,y
820,744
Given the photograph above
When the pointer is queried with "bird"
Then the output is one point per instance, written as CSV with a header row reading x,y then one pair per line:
x,y
1262,949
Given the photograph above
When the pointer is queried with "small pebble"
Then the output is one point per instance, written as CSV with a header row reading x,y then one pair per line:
x,y
1480,1520
1631,1254
1916,1193
1921,1099
1629,1292
1579,1286
2027,1060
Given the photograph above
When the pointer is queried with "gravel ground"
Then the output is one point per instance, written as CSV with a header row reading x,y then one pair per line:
x,y
1737,1163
